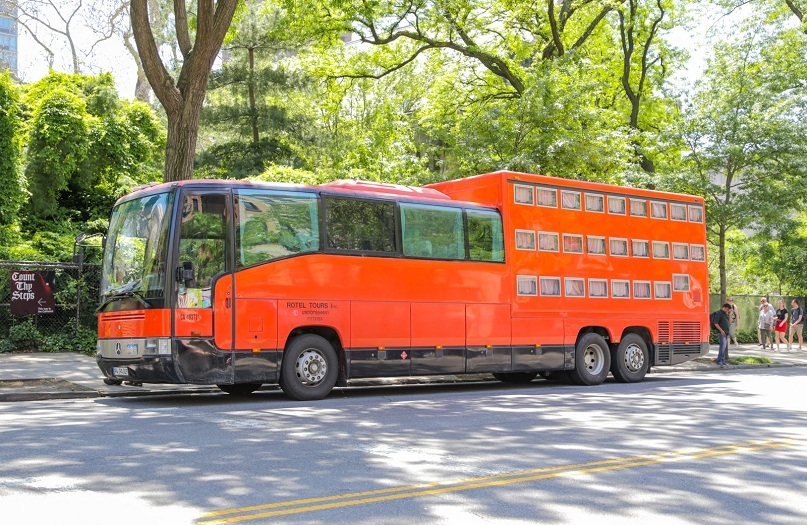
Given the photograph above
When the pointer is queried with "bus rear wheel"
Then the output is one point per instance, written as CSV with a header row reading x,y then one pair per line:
x,y
520,378
630,360
592,360
309,369
241,389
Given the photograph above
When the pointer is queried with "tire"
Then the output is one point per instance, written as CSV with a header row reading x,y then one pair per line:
x,y
519,378
309,369
630,360
592,360
240,389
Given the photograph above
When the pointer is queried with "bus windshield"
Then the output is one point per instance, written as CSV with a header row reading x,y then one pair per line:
x,y
134,273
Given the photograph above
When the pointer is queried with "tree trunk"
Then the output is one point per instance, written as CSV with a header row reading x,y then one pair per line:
x,y
721,250
182,99
180,151
253,109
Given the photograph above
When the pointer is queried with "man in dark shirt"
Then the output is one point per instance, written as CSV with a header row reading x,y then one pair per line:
x,y
720,323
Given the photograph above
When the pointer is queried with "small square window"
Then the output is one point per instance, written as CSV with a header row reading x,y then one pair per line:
x,y
638,208
575,287
548,242
661,250
550,286
525,240
620,289
658,210
570,200
595,203
572,243
619,247
662,290
523,195
598,288
680,283
697,252
547,197
640,248
616,205
695,214
527,285
595,245
641,290
680,251
678,212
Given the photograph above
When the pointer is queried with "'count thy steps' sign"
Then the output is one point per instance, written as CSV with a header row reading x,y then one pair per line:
x,y
32,293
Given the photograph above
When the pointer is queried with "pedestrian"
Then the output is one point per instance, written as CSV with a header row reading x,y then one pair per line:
x,y
720,324
734,321
780,325
762,302
765,324
796,324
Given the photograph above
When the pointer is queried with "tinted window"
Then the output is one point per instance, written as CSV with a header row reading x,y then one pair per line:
x,y
485,237
360,225
432,232
275,224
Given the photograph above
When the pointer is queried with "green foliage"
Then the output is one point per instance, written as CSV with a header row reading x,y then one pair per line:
x,y
87,147
85,341
25,335
12,184
57,149
239,160
750,359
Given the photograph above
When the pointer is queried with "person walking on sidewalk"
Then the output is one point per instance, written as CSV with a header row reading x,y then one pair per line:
x,y
796,324
734,321
765,323
780,325
762,302
720,324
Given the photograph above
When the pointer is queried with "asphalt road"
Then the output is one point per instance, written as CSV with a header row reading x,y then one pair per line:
x,y
688,448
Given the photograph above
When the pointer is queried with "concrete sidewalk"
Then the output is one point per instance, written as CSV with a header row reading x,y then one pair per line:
x,y
32,376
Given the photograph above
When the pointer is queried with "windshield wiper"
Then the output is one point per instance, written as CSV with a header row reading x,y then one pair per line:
x,y
116,295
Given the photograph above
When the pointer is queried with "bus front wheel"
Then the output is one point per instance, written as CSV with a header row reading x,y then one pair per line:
x,y
592,360
630,360
309,369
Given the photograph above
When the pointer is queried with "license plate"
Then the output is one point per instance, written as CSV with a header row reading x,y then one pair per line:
x,y
120,371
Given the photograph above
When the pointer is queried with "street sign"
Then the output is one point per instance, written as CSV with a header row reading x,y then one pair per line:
x,y
32,293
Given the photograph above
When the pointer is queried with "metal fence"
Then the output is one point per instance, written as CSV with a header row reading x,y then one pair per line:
x,y
69,323
748,306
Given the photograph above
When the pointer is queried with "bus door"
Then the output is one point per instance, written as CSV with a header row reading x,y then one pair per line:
x,y
203,313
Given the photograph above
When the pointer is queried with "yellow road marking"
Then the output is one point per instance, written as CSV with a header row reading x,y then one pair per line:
x,y
300,506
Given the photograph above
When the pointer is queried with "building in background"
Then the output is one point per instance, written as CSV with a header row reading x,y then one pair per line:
x,y
8,37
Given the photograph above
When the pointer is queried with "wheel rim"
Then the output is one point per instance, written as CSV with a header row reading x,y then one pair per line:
x,y
594,359
311,367
634,358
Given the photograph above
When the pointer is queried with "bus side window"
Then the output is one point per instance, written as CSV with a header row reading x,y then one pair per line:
x,y
360,225
432,232
274,224
485,236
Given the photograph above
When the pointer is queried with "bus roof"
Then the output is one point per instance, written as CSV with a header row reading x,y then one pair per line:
x,y
354,187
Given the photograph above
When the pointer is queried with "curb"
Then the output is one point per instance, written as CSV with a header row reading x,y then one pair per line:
x,y
471,378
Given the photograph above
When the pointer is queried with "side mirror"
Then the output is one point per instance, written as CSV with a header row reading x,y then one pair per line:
x,y
185,273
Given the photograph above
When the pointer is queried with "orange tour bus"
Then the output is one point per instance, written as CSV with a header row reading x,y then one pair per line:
x,y
239,284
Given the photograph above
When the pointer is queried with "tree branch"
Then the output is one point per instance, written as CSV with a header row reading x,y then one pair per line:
x,y
181,28
161,82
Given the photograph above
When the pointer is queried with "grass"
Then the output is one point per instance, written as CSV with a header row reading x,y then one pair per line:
x,y
750,359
